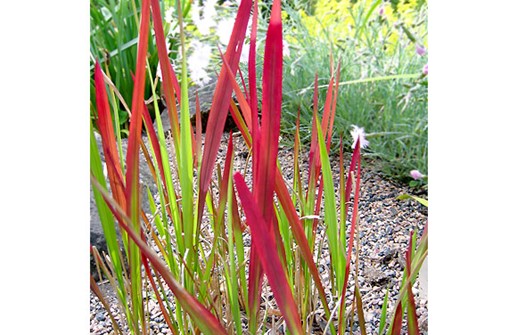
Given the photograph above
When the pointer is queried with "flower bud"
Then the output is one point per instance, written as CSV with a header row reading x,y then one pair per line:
x,y
420,50
416,175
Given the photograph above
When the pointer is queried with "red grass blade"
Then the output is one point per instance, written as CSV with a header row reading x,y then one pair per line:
x,y
239,121
132,191
221,103
109,146
154,141
199,132
327,123
334,104
356,203
313,153
327,112
267,253
356,154
271,112
411,311
171,87
241,98
265,145
396,326
284,198
135,128
353,162
252,69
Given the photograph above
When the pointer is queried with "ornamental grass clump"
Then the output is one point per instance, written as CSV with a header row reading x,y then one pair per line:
x,y
215,280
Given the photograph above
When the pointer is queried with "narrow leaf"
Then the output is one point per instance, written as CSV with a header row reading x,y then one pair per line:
x,y
266,249
105,126
355,210
396,326
411,311
221,102
171,87
384,310
132,191
408,196
271,112
360,311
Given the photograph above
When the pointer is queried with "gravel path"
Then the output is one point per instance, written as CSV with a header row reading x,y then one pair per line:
x,y
383,229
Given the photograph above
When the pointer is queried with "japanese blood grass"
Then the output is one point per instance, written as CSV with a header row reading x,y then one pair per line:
x,y
207,273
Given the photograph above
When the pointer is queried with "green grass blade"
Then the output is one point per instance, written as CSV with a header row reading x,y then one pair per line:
x,y
408,196
331,222
186,163
384,311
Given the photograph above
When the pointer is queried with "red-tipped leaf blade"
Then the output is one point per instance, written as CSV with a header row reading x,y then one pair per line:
x,y
221,102
267,253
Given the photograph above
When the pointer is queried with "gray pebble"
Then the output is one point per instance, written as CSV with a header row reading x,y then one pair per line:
x,y
100,316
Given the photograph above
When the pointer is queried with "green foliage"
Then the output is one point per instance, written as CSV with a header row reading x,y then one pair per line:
x,y
114,27
383,87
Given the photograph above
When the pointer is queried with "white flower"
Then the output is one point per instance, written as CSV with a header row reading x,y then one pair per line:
x,y
198,62
416,175
159,72
245,54
204,24
224,30
358,133
169,14
285,49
